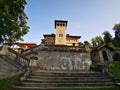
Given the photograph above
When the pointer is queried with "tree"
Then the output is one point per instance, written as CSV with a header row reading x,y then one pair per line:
x,y
93,41
117,30
107,37
116,40
97,40
13,20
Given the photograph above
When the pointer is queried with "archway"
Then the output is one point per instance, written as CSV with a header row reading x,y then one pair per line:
x,y
105,57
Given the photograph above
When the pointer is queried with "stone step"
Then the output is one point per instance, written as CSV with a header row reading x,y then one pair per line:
x,y
64,71
67,83
68,74
27,84
60,79
57,88
69,80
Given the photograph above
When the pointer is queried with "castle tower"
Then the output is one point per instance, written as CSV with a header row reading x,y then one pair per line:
x,y
60,27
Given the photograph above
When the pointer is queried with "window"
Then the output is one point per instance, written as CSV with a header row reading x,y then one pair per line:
x,y
60,24
60,35
57,24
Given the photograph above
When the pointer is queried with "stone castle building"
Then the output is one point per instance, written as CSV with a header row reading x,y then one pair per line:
x,y
62,51
61,38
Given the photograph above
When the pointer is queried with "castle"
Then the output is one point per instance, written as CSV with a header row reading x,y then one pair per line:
x,y
61,38
58,51
102,53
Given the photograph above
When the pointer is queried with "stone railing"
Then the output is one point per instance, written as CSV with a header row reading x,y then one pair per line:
x,y
55,48
15,58
18,57
103,68
63,48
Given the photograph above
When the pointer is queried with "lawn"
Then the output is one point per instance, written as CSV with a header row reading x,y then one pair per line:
x,y
116,88
7,82
115,69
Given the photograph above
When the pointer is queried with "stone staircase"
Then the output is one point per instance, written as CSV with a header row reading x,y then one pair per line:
x,y
39,80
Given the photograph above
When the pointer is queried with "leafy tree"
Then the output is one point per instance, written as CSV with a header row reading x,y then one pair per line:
x,y
107,37
13,20
116,40
97,40
93,41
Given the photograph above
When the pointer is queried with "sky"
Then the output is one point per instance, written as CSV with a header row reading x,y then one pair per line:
x,y
86,18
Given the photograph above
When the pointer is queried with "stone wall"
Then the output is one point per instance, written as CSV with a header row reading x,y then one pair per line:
x,y
63,60
7,69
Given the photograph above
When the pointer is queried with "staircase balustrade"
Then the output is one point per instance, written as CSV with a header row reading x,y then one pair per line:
x,y
18,57
15,58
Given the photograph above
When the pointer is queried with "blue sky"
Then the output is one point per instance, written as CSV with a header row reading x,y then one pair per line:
x,y
86,18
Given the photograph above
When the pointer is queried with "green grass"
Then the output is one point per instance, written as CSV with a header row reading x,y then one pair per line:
x,y
7,82
116,88
115,69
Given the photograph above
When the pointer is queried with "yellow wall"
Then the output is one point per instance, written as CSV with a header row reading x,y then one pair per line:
x,y
71,40
60,33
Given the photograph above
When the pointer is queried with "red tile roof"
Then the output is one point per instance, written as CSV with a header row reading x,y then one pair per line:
x,y
29,45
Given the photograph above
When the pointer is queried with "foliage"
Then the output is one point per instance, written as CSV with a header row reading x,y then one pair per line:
x,y
94,65
115,69
117,30
13,20
115,88
93,41
116,57
107,37
97,40
6,83
116,40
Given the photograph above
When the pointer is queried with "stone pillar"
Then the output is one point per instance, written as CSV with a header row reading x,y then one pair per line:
x,y
87,47
5,46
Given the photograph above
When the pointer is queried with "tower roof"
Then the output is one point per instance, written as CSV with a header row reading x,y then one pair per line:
x,y
65,21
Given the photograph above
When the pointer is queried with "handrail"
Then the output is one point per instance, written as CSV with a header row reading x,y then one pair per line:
x,y
103,68
18,60
18,57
